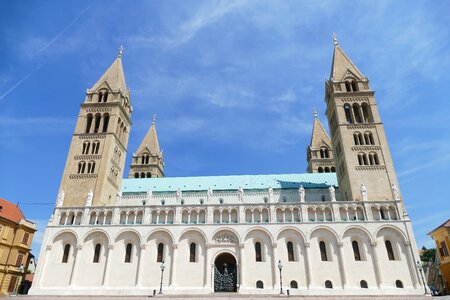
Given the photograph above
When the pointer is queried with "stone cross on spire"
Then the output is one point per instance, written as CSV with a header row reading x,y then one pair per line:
x,y
154,119
121,48
335,41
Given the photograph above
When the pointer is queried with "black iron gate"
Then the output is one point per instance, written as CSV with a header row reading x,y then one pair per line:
x,y
225,278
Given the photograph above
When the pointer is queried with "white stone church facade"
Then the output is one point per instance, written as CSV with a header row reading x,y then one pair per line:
x,y
339,229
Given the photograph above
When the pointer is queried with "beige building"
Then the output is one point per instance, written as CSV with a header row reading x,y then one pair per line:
x,y
16,235
441,235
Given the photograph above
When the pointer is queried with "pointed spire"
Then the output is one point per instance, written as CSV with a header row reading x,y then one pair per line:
x,y
150,141
114,76
319,135
341,65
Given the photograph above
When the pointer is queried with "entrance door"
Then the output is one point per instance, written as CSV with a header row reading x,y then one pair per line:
x,y
225,273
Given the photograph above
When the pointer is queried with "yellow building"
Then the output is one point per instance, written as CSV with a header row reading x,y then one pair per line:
x,y
441,235
16,235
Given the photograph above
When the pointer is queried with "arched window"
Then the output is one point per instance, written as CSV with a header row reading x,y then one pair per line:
x,y
91,167
95,147
348,87
136,175
333,169
390,251
356,138
323,251
364,156
142,175
294,284
363,284
258,256
356,113
86,145
81,166
356,253
327,153
320,170
192,251
105,96
100,96
160,255
328,284
327,169
259,284
149,175
372,141
290,250
375,158
366,113
96,259
348,113
97,122
105,121
88,123
367,139
371,159
354,86
398,284
128,250
360,159
145,159
65,257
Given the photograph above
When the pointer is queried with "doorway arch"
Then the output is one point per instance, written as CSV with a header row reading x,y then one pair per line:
x,y
225,273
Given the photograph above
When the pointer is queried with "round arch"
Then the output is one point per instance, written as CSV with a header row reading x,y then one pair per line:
x,y
293,229
357,227
394,228
94,231
258,228
327,229
128,230
192,230
222,229
66,231
160,230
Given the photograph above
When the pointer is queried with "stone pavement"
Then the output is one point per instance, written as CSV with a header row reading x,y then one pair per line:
x,y
223,297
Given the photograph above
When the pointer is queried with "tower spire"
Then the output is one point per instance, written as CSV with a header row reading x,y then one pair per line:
x,y
319,152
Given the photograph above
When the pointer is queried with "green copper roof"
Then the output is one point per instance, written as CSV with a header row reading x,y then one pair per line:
x,y
231,182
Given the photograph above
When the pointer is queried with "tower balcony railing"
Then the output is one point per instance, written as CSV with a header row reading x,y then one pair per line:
x,y
229,213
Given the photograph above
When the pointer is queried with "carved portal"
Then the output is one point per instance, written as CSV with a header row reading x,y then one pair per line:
x,y
225,238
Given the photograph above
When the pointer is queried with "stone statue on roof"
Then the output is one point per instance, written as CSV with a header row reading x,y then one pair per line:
x,y
60,200
240,194
119,196
395,192
332,192
149,195
363,191
179,194
301,193
270,190
209,194
89,198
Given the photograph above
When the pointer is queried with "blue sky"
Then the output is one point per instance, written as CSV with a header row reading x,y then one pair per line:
x,y
234,85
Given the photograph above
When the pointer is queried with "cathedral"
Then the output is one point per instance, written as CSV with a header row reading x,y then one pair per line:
x,y
339,229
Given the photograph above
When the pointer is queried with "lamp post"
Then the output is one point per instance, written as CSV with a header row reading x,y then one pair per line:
x,y
162,272
280,267
419,266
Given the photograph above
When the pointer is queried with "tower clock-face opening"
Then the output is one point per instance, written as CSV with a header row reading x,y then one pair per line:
x,y
225,274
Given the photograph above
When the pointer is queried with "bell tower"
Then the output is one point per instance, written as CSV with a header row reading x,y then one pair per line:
x,y
319,153
359,142
148,160
97,152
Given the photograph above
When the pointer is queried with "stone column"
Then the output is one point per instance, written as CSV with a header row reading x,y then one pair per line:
x,y
75,265
140,265
207,275
241,214
340,245
107,265
273,216
376,264
275,277
335,208
242,266
308,265
178,215
411,265
173,266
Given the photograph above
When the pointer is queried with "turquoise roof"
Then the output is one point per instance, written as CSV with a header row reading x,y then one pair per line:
x,y
229,182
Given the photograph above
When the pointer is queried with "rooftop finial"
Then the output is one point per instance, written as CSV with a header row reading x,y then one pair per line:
x,y
335,41
315,113
154,119
121,48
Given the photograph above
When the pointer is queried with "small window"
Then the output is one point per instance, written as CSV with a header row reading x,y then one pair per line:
x,y
390,251
354,86
96,259
348,87
192,252
128,250
356,252
363,284
290,249
294,284
19,260
66,254
328,284
348,113
160,256
399,284
25,238
323,251
136,175
88,123
259,284
258,256
105,120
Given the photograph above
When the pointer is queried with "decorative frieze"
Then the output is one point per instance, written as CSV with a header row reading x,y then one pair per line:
x,y
370,168
83,176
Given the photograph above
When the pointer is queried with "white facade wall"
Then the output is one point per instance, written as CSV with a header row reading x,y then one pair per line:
x,y
146,226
